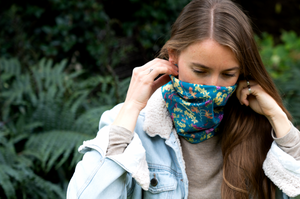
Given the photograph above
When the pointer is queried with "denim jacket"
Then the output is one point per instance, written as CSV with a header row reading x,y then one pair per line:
x,y
152,165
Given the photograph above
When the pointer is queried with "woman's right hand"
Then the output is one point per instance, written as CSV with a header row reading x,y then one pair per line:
x,y
142,85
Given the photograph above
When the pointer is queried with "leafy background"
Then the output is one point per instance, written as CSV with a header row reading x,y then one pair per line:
x,y
63,63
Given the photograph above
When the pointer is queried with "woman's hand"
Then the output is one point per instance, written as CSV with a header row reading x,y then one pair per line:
x,y
142,85
262,103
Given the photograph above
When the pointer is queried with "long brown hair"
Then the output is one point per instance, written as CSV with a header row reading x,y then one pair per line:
x,y
246,135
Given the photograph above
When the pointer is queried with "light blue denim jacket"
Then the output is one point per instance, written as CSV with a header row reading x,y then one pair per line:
x,y
154,155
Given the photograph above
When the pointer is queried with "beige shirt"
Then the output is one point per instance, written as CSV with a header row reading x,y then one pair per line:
x,y
203,167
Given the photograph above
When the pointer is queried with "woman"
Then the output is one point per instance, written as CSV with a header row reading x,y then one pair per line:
x,y
189,138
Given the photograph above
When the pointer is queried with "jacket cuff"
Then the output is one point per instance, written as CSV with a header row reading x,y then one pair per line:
x,y
99,143
283,170
119,139
133,159
289,140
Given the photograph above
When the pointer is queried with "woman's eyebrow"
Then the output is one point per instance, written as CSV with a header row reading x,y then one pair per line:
x,y
206,67
233,68
200,65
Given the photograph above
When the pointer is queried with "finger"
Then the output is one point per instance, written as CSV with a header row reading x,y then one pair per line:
x,y
165,63
249,91
239,90
162,69
247,83
244,84
156,61
244,95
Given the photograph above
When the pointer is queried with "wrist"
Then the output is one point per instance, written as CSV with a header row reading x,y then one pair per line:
x,y
132,107
277,115
280,123
127,116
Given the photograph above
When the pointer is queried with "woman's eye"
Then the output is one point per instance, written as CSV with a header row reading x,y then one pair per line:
x,y
199,71
229,75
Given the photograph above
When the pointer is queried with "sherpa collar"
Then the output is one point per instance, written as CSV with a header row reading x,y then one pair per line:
x,y
157,118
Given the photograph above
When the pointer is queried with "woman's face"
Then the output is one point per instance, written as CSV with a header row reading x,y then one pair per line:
x,y
207,63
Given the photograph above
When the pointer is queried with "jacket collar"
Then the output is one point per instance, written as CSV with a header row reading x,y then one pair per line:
x,y
157,118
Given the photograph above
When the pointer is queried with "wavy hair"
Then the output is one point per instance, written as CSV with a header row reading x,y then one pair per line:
x,y
246,135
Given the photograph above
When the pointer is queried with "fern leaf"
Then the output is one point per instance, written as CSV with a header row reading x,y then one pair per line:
x,y
53,148
10,66
6,184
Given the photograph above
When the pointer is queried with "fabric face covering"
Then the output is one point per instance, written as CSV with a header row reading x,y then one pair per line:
x,y
196,110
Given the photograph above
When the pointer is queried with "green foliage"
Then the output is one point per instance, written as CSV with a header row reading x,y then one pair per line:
x,y
59,29
47,111
98,34
152,21
283,63
290,90
280,58
18,179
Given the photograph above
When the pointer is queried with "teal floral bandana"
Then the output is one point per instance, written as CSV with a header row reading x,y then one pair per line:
x,y
196,110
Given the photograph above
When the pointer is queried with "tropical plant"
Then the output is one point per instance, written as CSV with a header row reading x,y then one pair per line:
x,y
47,111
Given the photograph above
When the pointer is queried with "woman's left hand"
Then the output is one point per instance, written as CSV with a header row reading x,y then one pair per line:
x,y
257,98
262,103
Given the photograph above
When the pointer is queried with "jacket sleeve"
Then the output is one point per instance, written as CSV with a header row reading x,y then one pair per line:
x,y
290,143
283,168
100,176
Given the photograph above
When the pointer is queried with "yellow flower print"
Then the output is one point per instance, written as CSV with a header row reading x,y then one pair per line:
x,y
203,137
194,120
176,84
175,116
202,91
182,125
177,110
219,98
179,90
186,103
191,116
209,135
167,87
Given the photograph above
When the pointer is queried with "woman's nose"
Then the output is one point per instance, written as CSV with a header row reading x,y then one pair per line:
x,y
213,81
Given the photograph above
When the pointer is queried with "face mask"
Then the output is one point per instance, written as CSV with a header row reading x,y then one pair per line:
x,y
196,110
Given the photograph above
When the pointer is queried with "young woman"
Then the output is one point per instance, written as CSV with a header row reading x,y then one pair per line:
x,y
218,129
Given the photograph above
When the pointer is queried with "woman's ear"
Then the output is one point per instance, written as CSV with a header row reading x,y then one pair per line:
x,y
172,56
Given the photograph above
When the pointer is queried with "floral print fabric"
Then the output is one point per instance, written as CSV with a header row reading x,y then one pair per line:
x,y
196,110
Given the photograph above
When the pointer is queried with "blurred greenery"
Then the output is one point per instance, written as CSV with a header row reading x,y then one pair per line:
x,y
83,33
46,113
282,61
63,63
